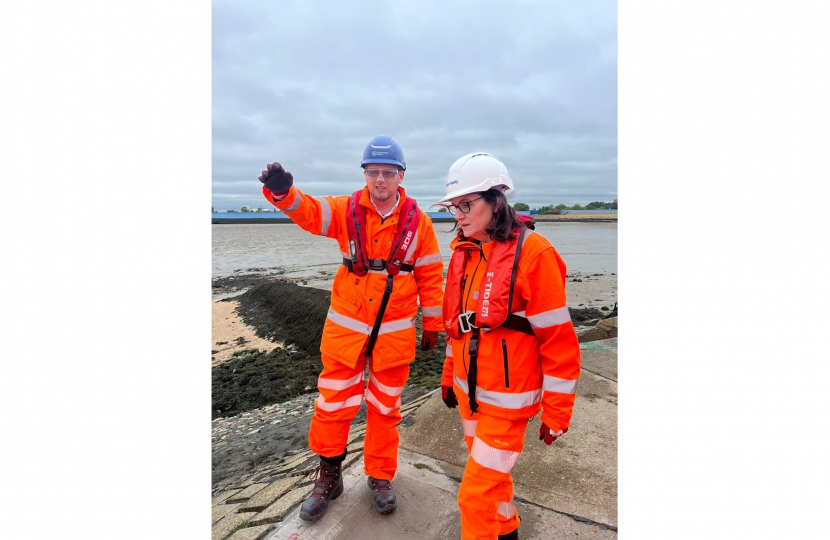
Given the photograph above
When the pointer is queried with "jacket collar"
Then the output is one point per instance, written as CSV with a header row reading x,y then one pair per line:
x,y
365,200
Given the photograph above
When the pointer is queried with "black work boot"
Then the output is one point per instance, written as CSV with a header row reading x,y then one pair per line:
x,y
384,495
329,486
511,535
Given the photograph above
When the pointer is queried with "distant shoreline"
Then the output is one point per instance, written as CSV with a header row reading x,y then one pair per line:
x,y
599,217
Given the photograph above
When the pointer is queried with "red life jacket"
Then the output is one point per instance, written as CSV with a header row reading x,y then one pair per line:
x,y
359,262
495,296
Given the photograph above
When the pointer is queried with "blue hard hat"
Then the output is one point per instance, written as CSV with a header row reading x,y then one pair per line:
x,y
383,149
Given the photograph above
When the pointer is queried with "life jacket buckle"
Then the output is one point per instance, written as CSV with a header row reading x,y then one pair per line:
x,y
465,323
377,264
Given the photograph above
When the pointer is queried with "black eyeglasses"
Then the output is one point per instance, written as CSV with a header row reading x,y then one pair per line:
x,y
464,206
383,173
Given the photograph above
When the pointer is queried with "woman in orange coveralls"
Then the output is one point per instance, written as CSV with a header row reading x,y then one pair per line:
x,y
511,347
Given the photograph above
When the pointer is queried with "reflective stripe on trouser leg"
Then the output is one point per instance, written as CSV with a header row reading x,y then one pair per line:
x,y
485,496
341,392
383,403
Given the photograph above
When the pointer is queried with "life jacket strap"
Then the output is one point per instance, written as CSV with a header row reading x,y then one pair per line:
x,y
472,372
513,322
376,264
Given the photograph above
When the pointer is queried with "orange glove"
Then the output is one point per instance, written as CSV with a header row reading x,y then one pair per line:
x,y
548,435
428,340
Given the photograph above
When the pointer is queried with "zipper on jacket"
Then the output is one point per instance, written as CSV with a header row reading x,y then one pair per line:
x,y
506,371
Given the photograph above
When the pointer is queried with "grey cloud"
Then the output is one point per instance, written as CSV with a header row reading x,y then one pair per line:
x,y
309,83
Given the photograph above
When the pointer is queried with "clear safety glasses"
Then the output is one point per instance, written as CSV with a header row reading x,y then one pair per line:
x,y
382,173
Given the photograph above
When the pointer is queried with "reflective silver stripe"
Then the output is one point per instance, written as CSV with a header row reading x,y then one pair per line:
x,y
296,204
431,311
502,399
493,458
549,318
346,255
563,386
506,509
348,322
337,384
394,326
325,216
410,253
390,391
469,427
449,350
428,259
527,234
353,401
519,313
371,398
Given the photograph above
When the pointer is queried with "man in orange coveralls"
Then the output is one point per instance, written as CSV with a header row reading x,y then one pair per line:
x,y
511,347
390,259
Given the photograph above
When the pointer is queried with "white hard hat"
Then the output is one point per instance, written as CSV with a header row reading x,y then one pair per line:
x,y
476,172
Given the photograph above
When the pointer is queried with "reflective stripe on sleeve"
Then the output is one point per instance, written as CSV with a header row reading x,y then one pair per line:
x,y
469,427
549,318
493,458
563,386
296,204
502,399
370,398
390,391
353,401
506,509
337,384
431,311
428,259
449,350
325,216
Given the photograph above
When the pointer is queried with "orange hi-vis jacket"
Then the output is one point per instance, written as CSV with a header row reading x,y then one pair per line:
x,y
355,300
518,373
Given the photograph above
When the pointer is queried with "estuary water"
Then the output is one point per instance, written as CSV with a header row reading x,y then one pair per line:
x,y
246,248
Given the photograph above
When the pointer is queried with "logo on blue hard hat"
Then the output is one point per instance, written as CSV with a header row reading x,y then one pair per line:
x,y
376,153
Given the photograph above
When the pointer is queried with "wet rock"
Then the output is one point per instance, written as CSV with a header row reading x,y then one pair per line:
x,y
604,308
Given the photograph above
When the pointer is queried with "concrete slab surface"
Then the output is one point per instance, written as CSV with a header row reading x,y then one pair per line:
x,y
600,357
427,509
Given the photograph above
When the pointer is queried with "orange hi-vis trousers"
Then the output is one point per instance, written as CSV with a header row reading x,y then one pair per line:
x,y
341,392
485,497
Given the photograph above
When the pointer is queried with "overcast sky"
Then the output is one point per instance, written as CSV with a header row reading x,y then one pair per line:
x,y
308,83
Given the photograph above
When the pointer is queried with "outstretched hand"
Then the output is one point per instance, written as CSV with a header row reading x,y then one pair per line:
x,y
276,179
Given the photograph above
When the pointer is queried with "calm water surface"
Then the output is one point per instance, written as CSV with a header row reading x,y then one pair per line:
x,y
585,247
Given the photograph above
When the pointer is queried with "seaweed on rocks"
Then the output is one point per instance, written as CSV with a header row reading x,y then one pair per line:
x,y
257,378
286,312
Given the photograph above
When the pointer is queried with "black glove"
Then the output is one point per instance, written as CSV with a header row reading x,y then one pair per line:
x,y
448,396
276,179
